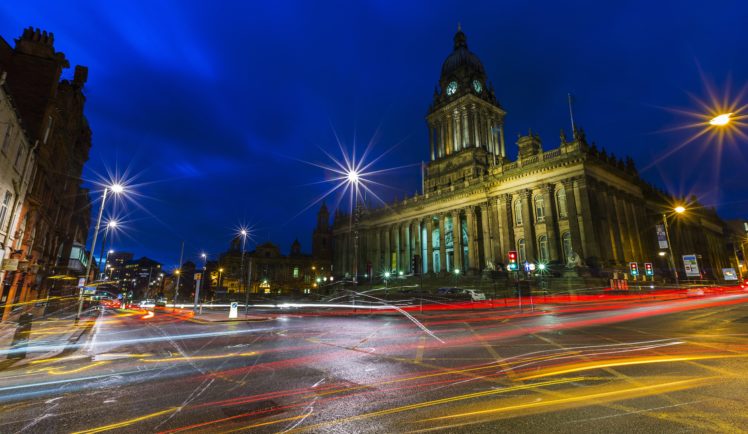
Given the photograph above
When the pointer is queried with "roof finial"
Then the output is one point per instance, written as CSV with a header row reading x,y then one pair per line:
x,y
459,27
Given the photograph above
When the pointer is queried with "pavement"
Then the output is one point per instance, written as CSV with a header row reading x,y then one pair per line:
x,y
670,365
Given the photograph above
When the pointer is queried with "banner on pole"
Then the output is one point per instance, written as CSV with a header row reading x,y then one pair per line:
x,y
661,236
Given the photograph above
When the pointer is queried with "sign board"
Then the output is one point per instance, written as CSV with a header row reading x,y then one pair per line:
x,y
198,276
233,312
691,265
81,282
89,290
729,274
661,236
10,264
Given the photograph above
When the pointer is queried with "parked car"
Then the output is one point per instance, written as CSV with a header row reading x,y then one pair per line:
x,y
475,295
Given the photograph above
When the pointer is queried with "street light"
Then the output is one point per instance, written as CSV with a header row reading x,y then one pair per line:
x,y
680,210
116,188
111,225
721,120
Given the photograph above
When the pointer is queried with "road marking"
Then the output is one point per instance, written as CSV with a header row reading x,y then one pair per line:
x,y
419,349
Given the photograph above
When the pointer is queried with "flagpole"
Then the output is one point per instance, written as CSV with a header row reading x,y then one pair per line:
x,y
571,115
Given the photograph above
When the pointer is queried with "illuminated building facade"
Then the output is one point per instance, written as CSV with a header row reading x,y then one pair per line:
x,y
549,205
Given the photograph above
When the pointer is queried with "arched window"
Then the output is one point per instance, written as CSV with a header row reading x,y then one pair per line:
x,y
518,213
543,248
566,243
539,209
561,203
521,250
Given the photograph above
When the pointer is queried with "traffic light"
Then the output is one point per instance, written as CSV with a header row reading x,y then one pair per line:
x,y
512,263
648,270
634,268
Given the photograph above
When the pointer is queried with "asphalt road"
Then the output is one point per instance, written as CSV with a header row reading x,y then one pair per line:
x,y
622,366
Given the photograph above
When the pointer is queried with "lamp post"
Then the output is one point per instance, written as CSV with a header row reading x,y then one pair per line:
x,y
111,225
679,210
116,189
243,234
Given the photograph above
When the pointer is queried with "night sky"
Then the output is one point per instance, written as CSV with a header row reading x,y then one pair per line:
x,y
213,105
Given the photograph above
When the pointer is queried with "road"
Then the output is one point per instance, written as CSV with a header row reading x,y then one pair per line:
x,y
619,366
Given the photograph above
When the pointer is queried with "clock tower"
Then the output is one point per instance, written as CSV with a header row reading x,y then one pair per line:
x,y
465,121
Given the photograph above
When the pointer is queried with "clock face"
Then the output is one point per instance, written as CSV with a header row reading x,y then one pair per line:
x,y
452,88
477,86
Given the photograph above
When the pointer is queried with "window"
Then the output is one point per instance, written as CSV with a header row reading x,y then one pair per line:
x,y
561,203
19,156
518,213
543,248
6,139
566,243
521,251
4,208
295,272
539,209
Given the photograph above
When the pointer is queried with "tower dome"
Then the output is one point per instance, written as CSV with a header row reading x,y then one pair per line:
x,y
462,59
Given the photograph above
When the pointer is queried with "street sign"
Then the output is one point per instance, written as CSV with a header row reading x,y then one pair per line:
x,y
691,264
729,274
233,312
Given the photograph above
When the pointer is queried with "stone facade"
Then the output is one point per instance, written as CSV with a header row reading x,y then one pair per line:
x,y
16,167
477,205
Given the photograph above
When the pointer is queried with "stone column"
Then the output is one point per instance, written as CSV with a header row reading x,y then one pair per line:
x,y
465,130
637,225
431,139
429,244
457,239
549,198
591,246
573,217
528,224
415,234
442,246
404,247
506,225
485,234
470,217
387,248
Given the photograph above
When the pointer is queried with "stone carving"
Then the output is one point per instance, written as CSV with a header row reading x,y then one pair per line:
x,y
574,261
490,266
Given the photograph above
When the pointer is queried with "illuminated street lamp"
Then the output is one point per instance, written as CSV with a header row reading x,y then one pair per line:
x,y
721,120
679,210
111,225
116,188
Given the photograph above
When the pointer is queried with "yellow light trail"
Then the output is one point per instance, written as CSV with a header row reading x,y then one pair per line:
x,y
127,422
439,402
57,371
626,362
592,398
191,358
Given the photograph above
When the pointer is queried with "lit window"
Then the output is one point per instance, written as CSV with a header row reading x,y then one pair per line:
x,y
543,248
539,209
521,250
566,243
295,272
561,203
518,213
4,208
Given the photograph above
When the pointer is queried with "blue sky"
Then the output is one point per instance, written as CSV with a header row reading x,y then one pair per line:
x,y
214,105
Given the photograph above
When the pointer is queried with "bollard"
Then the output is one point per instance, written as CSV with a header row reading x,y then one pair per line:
x,y
21,337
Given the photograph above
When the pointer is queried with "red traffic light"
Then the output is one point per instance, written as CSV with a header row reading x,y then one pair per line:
x,y
512,255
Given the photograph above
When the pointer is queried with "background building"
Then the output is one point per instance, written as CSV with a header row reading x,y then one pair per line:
x,y
550,205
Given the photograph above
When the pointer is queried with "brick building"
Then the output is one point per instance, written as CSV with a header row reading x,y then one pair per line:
x,y
56,212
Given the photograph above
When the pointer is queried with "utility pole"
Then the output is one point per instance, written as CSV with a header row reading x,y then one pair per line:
x,y
246,293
